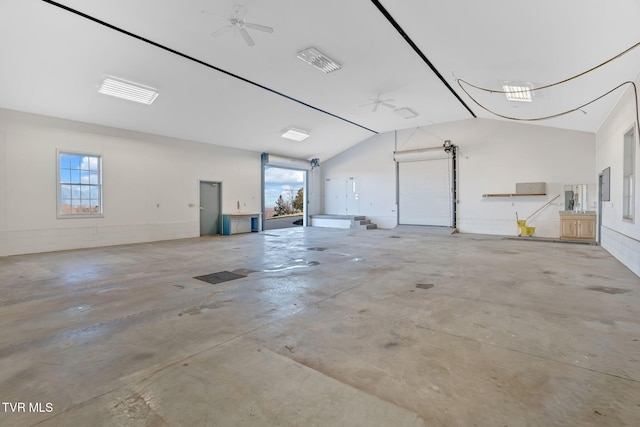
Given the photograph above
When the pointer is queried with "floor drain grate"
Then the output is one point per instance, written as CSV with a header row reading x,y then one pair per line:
x,y
220,277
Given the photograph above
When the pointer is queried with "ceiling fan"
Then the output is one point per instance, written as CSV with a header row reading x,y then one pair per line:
x,y
237,23
377,101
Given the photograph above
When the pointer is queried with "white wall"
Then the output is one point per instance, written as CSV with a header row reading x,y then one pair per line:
x,y
371,165
493,157
140,171
620,237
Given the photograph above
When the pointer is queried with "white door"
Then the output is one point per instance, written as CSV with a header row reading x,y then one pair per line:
x,y
351,195
425,196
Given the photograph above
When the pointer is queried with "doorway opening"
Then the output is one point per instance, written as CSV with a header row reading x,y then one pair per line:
x,y
210,208
285,197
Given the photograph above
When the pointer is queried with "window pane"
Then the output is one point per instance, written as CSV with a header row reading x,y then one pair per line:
x,y
75,176
95,193
75,162
65,191
65,161
93,163
84,177
65,176
93,178
75,191
84,164
65,206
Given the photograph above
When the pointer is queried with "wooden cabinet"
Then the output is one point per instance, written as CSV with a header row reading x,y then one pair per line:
x,y
577,226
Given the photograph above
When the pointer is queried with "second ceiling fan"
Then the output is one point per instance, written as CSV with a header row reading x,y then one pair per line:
x,y
237,23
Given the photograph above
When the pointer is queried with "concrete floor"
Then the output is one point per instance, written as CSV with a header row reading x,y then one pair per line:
x,y
403,327
277,223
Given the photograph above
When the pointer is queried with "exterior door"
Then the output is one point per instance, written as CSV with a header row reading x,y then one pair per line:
x,y
351,197
210,208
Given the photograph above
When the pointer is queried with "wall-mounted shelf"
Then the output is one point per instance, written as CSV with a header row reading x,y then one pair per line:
x,y
513,195
524,189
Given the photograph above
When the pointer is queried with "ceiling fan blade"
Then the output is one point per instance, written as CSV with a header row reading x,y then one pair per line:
x,y
221,30
207,12
387,104
258,27
375,106
246,36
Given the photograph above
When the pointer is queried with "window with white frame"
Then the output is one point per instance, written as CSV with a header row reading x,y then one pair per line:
x,y
628,174
79,184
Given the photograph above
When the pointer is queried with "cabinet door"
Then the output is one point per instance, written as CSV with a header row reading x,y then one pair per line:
x,y
587,229
569,228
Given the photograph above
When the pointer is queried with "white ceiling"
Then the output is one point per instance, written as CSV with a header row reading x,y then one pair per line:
x,y
54,59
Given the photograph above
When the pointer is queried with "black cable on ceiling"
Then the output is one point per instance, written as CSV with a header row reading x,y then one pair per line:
x,y
410,42
566,80
191,58
556,115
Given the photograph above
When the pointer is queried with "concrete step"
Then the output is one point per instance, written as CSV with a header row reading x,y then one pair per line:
x,y
365,224
342,221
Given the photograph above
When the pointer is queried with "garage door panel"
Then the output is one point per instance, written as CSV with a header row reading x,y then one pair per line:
x,y
425,192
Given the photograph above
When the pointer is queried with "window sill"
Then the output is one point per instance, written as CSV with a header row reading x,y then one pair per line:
x,y
78,216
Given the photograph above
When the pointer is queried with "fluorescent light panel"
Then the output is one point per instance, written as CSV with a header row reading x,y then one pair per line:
x,y
295,134
406,113
128,90
517,93
319,60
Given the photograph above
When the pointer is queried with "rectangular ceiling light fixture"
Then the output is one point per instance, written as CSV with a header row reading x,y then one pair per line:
x,y
520,93
295,134
319,60
406,113
128,90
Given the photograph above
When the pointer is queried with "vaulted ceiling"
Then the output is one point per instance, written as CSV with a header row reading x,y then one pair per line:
x,y
219,90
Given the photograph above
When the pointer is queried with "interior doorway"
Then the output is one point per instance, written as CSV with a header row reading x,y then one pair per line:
x,y
210,208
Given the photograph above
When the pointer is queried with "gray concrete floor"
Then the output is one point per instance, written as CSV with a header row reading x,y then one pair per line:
x,y
277,223
404,327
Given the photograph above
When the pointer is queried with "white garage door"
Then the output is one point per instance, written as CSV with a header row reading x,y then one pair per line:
x,y
424,188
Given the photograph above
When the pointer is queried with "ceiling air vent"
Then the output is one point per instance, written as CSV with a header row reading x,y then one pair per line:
x,y
128,90
406,113
319,60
